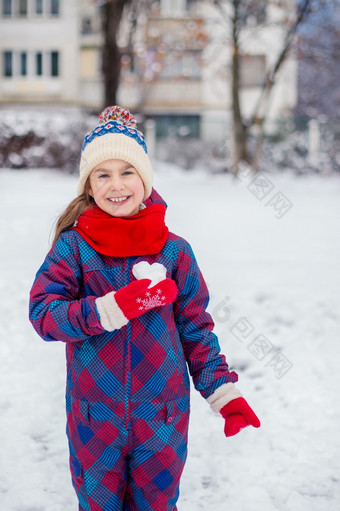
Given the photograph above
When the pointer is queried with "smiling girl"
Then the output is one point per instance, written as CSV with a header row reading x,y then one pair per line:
x,y
128,299
116,188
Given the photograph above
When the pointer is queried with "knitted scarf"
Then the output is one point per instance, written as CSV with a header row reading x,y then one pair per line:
x,y
142,234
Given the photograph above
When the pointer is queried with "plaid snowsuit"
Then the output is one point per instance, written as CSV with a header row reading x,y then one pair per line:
x,y
127,393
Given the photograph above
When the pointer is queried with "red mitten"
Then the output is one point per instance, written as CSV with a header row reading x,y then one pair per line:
x,y
238,414
136,298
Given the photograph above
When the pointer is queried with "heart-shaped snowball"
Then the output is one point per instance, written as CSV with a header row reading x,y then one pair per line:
x,y
156,272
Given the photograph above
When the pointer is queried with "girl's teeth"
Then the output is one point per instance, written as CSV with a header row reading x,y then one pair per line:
x,y
121,199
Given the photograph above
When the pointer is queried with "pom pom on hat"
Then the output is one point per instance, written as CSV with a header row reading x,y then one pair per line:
x,y
119,114
115,138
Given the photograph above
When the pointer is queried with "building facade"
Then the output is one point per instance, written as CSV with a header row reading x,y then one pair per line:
x,y
177,70
39,51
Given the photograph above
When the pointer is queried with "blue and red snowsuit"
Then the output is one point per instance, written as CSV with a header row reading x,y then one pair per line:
x,y
127,392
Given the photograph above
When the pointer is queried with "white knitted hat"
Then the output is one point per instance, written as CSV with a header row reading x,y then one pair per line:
x,y
115,137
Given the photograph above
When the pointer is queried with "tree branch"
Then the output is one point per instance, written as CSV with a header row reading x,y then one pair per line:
x,y
303,11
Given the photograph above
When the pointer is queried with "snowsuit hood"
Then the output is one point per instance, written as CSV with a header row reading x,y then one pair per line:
x,y
155,198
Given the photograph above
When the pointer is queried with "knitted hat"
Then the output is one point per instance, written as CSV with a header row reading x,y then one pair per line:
x,y
115,137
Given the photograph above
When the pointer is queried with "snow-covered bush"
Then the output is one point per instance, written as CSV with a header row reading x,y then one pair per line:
x,y
286,148
289,148
52,138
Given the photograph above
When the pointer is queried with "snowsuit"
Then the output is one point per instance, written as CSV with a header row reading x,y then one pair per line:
x,y
127,392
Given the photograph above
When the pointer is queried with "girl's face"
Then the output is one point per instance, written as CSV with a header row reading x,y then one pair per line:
x,y
117,188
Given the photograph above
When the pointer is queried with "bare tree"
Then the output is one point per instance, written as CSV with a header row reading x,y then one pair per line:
x,y
112,14
319,64
115,15
235,13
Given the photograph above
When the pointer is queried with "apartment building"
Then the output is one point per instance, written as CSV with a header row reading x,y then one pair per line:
x,y
39,54
178,71
185,50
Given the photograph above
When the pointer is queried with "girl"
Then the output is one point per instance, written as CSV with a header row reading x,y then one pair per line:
x,y
128,299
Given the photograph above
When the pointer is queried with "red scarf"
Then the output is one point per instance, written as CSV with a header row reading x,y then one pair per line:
x,y
142,234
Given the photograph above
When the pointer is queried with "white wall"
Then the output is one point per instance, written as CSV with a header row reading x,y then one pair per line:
x,y
34,34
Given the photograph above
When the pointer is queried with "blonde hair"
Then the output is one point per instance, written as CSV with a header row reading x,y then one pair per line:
x,y
73,211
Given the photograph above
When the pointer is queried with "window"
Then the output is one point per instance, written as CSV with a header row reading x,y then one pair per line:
x,y
7,7
22,7
253,12
89,63
38,7
38,64
185,65
191,64
23,63
191,4
177,125
171,66
55,7
128,62
86,26
253,69
54,63
173,7
7,63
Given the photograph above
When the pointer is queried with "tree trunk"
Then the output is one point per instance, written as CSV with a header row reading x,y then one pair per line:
x,y
112,12
240,129
242,126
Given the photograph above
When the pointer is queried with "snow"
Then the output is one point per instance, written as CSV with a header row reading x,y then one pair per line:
x,y
155,272
274,285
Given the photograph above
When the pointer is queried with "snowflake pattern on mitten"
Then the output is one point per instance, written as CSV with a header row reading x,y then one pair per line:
x,y
137,297
150,301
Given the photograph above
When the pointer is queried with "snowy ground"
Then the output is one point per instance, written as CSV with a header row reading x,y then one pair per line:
x,y
274,286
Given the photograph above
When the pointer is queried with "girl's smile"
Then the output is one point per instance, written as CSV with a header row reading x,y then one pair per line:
x,y
117,188
119,199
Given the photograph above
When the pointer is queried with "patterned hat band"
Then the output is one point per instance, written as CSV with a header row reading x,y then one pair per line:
x,y
115,127
115,137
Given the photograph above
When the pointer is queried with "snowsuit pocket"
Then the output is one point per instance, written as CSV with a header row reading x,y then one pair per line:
x,y
76,473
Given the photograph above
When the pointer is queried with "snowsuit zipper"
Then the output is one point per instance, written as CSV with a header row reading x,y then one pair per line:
x,y
128,360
